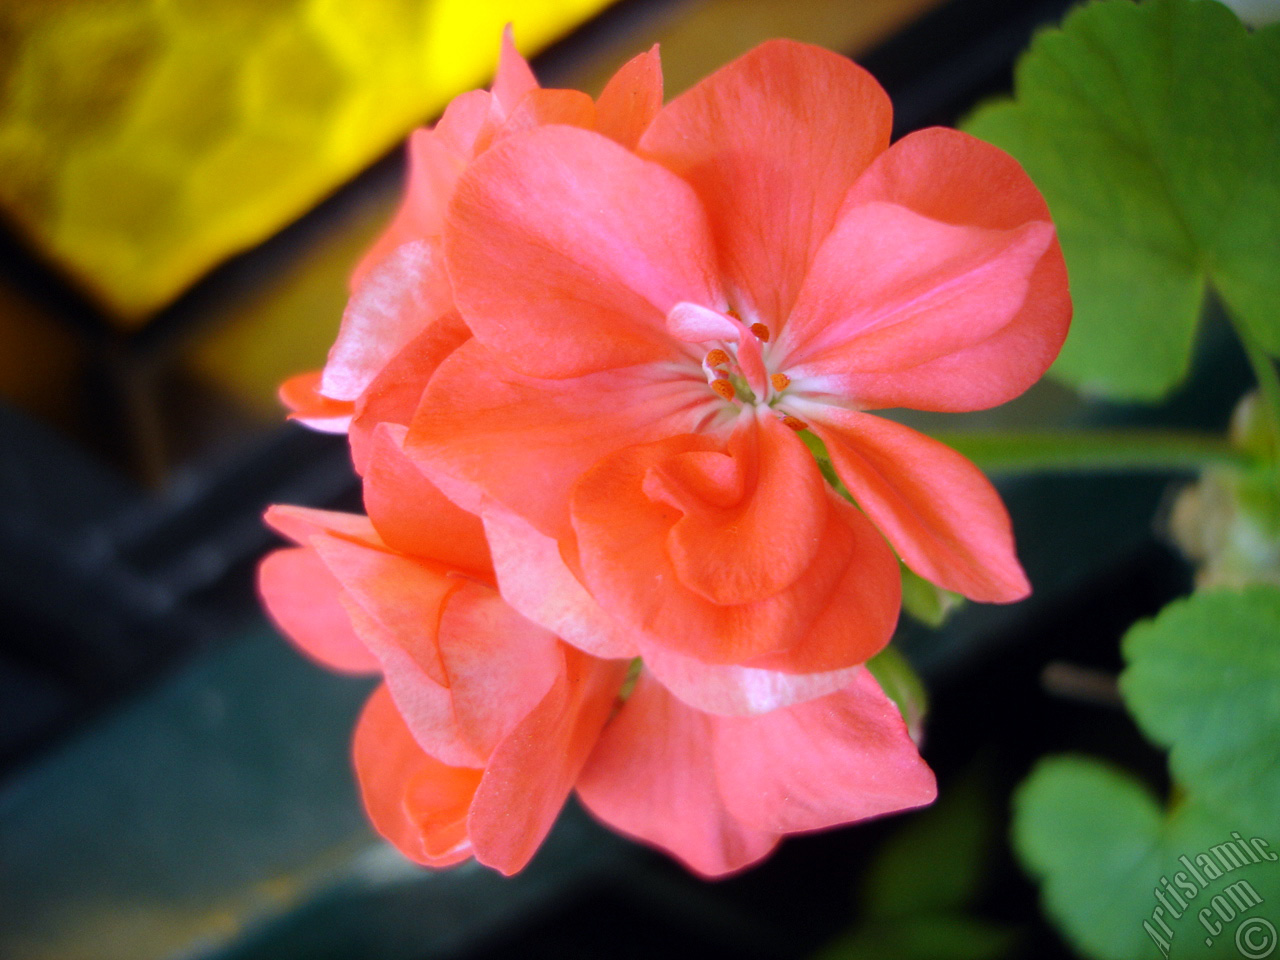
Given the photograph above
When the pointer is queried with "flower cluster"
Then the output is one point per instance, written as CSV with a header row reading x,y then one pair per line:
x,y
598,554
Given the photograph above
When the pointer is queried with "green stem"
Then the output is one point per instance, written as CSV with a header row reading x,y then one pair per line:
x,y
1175,451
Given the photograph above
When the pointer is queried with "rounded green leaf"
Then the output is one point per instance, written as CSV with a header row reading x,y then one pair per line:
x,y
1108,857
1080,825
1204,680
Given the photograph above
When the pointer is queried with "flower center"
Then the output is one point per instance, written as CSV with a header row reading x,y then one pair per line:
x,y
726,378
736,370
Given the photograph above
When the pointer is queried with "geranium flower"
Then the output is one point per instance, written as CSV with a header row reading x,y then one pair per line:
x,y
652,328
484,721
600,330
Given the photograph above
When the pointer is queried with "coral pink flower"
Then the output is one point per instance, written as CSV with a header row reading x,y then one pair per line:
x,y
651,328
484,721
576,371
361,375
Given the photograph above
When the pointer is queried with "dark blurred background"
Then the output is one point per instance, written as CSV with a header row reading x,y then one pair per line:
x,y
184,187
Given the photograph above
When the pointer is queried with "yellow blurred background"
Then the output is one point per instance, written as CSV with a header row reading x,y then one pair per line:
x,y
143,141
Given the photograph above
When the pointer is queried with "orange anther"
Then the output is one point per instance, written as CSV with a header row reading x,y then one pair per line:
x,y
780,381
716,358
734,313
724,388
761,331
795,423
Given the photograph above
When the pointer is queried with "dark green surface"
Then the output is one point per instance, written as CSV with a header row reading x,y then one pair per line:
x,y
217,815
202,808
391,910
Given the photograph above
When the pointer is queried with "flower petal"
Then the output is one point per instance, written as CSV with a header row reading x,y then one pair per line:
x,y
487,434
422,698
739,691
394,393
989,373
540,107
891,288
631,99
940,513
434,169
534,579
462,666
499,665
403,594
404,293
844,757
412,515
753,517
467,122
531,772
718,791
416,802
513,79
694,323
652,777
302,597
307,405
837,613
566,251
771,143
856,619
395,605
954,178
300,524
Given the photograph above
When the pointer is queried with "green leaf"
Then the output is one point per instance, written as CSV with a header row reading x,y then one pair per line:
x,y
1204,679
1153,131
1079,825
1103,847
